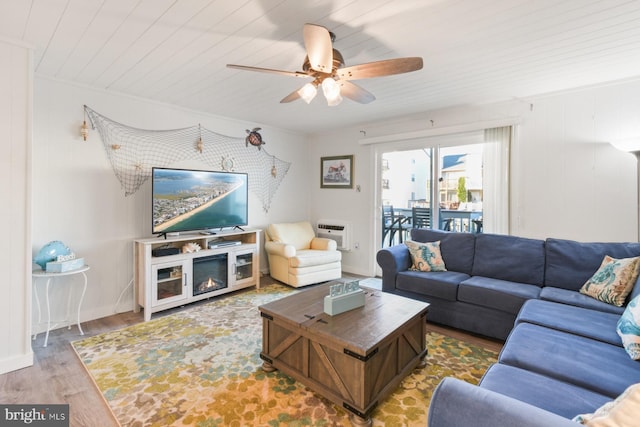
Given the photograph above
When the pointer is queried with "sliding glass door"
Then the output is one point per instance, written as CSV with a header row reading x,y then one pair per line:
x,y
457,182
406,184
460,188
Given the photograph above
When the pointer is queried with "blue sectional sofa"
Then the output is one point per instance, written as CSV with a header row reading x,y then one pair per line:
x,y
559,361
489,276
562,356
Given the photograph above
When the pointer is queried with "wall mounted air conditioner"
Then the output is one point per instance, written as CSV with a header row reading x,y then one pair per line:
x,y
337,230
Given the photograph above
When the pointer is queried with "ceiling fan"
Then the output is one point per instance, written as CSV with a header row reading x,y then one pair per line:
x,y
325,66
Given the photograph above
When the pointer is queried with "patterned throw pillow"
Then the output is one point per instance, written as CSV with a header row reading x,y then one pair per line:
x,y
425,256
622,412
613,281
629,328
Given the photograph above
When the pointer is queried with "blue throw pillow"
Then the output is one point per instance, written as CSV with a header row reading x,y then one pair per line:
x,y
425,256
613,281
629,328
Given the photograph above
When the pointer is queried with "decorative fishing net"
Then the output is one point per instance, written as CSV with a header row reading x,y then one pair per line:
x,y
134,152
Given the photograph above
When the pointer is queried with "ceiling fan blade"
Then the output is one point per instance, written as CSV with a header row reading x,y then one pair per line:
x,y
317,41
355,92
269,70
291,97
380,68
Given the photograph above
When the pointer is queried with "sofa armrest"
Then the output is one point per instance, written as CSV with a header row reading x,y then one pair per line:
x,y
458,403
323,244
392,260
281,249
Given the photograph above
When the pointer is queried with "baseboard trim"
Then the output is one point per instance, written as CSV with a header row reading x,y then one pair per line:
x,y
14,363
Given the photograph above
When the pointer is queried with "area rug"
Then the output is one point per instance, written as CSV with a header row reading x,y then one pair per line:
x,y
201,367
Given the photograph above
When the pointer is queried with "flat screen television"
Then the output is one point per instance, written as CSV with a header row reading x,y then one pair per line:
x,y
197,200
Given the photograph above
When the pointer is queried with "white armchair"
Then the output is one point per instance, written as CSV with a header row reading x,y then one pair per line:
x,y
298,258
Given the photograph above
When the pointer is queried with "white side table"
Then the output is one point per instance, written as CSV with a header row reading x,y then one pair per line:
x,y
48,275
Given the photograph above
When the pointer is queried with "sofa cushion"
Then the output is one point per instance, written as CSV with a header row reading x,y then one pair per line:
x,y
613,281
628,328
459,403
635,291
538,390
457,249
425,256
593,324
624,411
298,234
569,264
516,259
565,296
497,294
442,284
600,367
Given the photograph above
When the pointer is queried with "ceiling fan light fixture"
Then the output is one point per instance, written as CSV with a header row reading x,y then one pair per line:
x,y
325,65
336,100
331,90
308,92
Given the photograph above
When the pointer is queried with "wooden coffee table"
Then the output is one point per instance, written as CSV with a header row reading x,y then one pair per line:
x,y
355,359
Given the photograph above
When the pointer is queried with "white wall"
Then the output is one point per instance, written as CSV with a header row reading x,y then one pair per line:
x,y
567,181
350,205
15,190
78,200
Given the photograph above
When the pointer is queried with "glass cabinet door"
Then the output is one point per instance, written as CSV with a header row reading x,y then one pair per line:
x,y
244,265
169,282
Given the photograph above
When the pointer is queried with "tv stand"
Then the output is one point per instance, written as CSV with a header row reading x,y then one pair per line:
x,y
162,282
167,233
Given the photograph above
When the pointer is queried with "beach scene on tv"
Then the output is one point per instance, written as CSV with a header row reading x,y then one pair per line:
x,y
197,200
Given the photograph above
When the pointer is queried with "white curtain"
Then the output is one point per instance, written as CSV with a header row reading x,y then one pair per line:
x,y
496,179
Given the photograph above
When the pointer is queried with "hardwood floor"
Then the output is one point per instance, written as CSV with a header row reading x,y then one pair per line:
x,y
58,376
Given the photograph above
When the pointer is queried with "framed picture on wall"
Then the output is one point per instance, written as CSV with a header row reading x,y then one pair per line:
x,y
336,172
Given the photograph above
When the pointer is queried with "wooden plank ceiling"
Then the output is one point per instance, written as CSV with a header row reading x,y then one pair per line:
x,y
474,51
